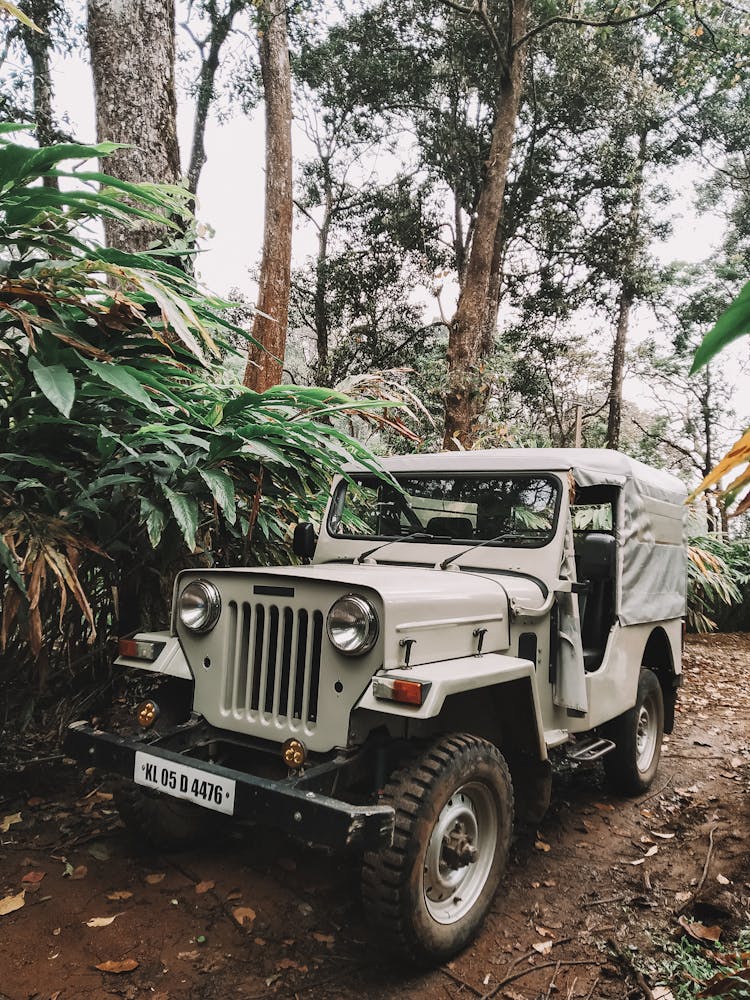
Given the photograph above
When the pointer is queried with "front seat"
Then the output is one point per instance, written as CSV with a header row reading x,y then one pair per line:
x,y
453,527
595,566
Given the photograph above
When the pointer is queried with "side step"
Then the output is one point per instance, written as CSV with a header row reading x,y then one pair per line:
x,y
590,750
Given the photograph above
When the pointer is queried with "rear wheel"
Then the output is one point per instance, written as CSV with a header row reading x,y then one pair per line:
x,y
637,735
427,895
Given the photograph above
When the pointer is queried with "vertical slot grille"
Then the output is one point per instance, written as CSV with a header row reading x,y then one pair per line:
x,y
273,662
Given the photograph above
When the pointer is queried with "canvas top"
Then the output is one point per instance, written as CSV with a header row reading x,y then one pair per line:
x,y
588,465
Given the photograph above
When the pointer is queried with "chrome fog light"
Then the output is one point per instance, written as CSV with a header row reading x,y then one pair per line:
x,y
199,606
352,625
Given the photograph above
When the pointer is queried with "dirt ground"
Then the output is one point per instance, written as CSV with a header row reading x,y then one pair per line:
x,y
590,897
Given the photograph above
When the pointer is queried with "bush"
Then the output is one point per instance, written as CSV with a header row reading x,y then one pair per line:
x,y
126,452
718,574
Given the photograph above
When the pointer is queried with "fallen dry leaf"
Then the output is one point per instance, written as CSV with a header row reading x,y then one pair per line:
x,y
243,915
156,878
722,880
289,963
234,894
33,877
8,822
548,883
638,861
11,903
79,872
101,921
126,965
651,852
542,846
662,993
323,938
121,894
682,897
604,807
543,947
544,931
726,984
202,887
662,836
189,955
698,931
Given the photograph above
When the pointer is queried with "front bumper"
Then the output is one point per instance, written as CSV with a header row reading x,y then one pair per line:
x,y
309,815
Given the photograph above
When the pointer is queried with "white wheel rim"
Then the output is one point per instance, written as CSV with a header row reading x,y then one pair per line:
x,y
646,734
468,818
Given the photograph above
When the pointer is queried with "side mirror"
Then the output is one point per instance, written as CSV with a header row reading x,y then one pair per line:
x,y
304,540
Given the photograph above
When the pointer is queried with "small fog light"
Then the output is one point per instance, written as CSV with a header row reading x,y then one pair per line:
x,y
147,713
294,753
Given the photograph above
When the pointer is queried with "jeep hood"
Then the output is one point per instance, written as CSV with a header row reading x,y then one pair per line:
x,y
443,613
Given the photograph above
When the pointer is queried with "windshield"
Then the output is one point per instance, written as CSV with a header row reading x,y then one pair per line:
x,y
515,510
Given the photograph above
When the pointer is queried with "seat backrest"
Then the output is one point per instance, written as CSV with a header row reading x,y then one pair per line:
x,y
453,527
595,556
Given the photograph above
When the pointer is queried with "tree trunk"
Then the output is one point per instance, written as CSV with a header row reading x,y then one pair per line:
x,y
132,57
38,46
466,395
220,28
264,367
626,299
323,375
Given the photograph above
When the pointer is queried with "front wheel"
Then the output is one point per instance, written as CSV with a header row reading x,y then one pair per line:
x,y
427,895
637,734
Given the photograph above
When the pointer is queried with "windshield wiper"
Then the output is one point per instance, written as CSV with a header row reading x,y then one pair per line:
x,y
392,541
477,545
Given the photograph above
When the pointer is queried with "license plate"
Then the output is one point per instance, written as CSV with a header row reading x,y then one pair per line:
x,y
184,782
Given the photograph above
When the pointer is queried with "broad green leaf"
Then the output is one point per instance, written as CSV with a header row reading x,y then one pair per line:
x,y
123,381
56,383
154,519
222,488
733,323
185,511
8,560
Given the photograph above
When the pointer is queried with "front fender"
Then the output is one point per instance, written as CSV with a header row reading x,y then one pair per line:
x,y
468,673
170,662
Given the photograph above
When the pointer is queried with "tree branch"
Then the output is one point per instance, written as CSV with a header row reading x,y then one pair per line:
x,y
586,22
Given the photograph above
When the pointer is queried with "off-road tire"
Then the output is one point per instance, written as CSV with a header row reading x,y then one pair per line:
x,y
631,767
162,821
423,790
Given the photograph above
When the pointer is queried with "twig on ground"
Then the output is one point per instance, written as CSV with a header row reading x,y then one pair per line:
x,y
571,988
552,982
645,988
702,880
607,899
654,795
536,968
460,981
593,987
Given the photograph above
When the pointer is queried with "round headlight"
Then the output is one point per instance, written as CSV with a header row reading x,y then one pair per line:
x,y
352,625
199,606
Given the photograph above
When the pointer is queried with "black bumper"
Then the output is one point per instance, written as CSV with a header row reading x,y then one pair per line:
x,y
309,815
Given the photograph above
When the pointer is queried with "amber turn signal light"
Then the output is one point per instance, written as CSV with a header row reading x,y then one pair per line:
x,y
147,713
405,692
294,753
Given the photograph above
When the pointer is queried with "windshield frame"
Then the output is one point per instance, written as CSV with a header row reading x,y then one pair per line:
x,y
371,478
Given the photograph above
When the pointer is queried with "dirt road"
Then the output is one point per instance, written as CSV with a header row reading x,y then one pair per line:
x,y
590,896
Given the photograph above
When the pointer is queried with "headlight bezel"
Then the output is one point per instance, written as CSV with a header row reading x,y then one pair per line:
x,y
212,599
369,616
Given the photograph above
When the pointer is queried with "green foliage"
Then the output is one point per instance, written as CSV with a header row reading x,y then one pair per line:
x,y
696,971
734,322
718,575
125,450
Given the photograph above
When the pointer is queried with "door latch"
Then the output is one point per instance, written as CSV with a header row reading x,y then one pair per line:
x,y
406,645
479,633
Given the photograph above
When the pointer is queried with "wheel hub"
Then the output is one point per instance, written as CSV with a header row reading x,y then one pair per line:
x,y
460,853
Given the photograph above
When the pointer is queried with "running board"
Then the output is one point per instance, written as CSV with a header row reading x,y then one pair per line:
x,y
585,753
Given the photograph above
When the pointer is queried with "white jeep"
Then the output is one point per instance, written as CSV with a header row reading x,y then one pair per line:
x,y
460,617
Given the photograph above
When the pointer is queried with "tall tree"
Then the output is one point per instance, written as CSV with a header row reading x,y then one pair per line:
x,y
264,367
132,57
